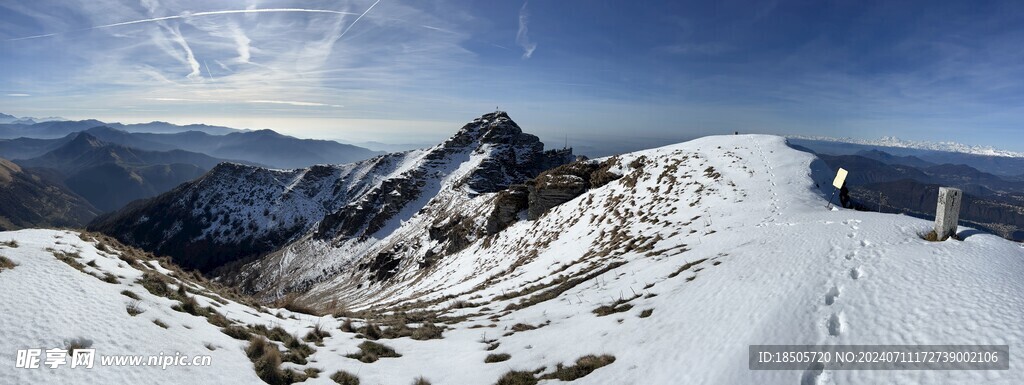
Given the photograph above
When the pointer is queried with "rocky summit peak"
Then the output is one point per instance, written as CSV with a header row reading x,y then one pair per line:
x,y
509,155
492,152
494,127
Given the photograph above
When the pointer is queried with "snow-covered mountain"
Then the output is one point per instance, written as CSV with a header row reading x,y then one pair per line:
x,y
237,212
892,141
664,269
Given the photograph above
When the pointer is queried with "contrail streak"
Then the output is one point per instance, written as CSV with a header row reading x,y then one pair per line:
x,y
357,20
200,14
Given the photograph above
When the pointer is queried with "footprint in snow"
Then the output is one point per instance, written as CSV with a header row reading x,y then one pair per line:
x,y
855,273
831,296
835,325
812,374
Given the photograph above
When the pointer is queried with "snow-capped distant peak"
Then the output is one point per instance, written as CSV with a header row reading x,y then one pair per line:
x,y
892,141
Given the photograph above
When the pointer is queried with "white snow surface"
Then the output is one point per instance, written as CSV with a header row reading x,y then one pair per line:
x,y
769,264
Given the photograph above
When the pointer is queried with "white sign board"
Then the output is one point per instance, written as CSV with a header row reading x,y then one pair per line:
x,y
840,178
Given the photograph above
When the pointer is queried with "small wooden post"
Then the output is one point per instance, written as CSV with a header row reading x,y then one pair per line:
x,y
947,212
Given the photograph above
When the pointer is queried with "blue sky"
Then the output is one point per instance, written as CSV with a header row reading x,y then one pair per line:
x,y
610,76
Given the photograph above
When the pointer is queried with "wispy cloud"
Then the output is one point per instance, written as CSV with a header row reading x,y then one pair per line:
x,y
257,101
182,100
251,65
190,57
242,42
18,95
522,36
186,15
436,29
294,103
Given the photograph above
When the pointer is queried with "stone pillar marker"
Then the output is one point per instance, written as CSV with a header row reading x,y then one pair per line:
x,y
947,212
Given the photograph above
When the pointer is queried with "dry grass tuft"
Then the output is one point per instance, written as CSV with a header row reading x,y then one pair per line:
x,y
345,378
236,332
370,351
317,335
75,344
500,357
134,309
267,361
517,378
291,303
620,305
584,366
6,264
686,267
130,294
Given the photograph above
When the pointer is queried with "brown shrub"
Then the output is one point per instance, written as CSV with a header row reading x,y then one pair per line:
x,y
500,357
345,378
584,366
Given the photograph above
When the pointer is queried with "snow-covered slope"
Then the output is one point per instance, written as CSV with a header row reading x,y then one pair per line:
x,y
728,242
699,250
49,304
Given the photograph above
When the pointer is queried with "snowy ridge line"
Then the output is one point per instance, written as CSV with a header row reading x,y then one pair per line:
x,y
892,141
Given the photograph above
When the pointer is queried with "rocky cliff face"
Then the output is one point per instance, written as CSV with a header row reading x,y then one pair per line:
x,y
549,189
507,206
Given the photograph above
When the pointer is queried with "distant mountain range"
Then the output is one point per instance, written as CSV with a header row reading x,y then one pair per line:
x,y
100,168
64,173
111,175
4,119
12,127
1004,166
265,147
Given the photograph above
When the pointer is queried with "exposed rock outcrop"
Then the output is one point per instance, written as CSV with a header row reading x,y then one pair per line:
x,y
507,206
549,189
